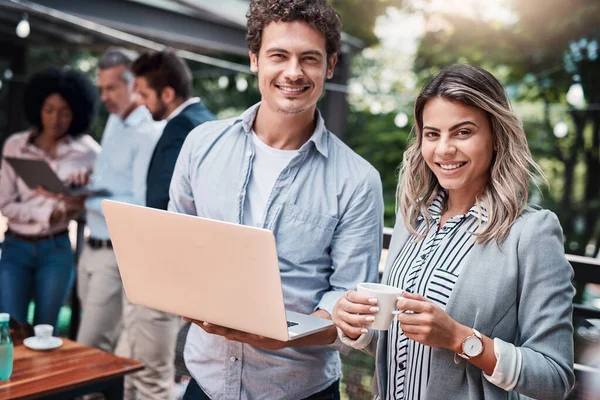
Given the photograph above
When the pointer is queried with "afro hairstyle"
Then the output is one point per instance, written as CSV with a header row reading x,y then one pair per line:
x,y
74,87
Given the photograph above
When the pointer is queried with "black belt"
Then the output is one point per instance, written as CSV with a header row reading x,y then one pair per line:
x,y
35,238
99,243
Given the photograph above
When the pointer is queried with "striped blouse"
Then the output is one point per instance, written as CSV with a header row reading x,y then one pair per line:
x,y
429,267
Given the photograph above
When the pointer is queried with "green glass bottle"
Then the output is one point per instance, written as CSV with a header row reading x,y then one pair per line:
x,y
6,348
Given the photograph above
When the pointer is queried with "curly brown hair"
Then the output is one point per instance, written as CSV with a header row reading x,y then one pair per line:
x,y
73,86
318,13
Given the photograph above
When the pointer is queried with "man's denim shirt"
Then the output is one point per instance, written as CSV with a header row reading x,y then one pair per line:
x,y
326,212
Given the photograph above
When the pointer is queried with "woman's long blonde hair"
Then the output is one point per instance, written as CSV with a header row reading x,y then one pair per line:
x,y
505,197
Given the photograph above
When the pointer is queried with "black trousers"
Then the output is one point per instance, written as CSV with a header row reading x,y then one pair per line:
x,y
194,392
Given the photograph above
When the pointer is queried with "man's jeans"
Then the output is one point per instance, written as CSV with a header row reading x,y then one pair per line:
x,y
45,268
194,392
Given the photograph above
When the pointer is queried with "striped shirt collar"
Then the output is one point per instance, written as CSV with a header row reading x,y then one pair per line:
x,y
478,211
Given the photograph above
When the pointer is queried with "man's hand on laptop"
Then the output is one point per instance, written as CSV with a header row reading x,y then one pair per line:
x,y
239,336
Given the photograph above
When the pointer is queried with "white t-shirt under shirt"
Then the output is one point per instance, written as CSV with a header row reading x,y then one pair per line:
x,y
267,165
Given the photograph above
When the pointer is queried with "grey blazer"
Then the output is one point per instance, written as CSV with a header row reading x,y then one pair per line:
x,y
520,292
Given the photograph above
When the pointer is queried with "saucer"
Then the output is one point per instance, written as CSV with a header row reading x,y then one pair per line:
x,y
47,344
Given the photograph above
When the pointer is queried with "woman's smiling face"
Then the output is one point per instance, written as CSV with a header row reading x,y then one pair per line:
x,y
457,145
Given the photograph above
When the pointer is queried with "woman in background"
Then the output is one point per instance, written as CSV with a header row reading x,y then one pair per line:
x,y
37,257
487,304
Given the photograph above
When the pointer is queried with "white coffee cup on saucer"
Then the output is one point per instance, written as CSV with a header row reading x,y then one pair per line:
x,y
43,332
386,301
43,339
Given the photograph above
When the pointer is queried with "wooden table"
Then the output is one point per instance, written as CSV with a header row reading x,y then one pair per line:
x,y
71,370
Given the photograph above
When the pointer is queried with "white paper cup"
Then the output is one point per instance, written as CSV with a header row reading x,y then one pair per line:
x,y
43,331
386,301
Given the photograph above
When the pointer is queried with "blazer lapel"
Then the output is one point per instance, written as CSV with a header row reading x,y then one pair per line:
x,y
475,301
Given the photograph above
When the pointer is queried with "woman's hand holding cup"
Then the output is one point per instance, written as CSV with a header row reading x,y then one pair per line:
x,y
354,312
386,296
373,306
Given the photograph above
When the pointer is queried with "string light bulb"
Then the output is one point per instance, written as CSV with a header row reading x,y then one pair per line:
x,y
23,29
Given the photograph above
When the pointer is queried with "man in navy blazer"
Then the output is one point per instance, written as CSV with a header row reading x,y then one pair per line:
x,y
164,83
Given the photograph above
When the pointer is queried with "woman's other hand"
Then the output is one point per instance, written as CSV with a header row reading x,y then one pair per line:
x,y
67,207
426,323
71,203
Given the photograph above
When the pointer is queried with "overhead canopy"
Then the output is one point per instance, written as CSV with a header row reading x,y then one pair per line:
x,y
46,29
172,24
202,26
193,27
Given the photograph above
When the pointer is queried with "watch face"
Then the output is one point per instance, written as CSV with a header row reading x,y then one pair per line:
x,y
472,346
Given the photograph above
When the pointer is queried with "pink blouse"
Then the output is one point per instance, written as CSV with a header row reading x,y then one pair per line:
x,y
28,213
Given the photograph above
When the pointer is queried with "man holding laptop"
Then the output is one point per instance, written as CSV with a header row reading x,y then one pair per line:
x,y
278,167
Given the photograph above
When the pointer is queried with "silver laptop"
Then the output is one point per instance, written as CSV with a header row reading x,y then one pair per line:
x,y
208,270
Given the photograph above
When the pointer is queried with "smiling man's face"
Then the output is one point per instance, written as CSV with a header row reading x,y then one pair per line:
x,y
291,66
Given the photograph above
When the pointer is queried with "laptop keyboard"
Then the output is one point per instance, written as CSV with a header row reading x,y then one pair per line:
x,y
290,324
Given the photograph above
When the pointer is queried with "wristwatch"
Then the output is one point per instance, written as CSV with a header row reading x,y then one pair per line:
x,y
472,345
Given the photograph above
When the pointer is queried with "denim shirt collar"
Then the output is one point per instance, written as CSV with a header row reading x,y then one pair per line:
x,y
318,138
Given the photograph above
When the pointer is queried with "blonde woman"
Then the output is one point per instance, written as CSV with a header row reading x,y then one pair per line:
x,y
486,309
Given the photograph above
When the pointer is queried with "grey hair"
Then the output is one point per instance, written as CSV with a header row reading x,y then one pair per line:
x,y
506,194
116,56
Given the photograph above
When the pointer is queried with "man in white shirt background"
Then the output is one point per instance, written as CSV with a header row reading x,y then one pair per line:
x,y
127,143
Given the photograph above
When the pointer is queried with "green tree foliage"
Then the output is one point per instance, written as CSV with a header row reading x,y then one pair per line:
x,y
380,141
226,93
381,89
359,16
